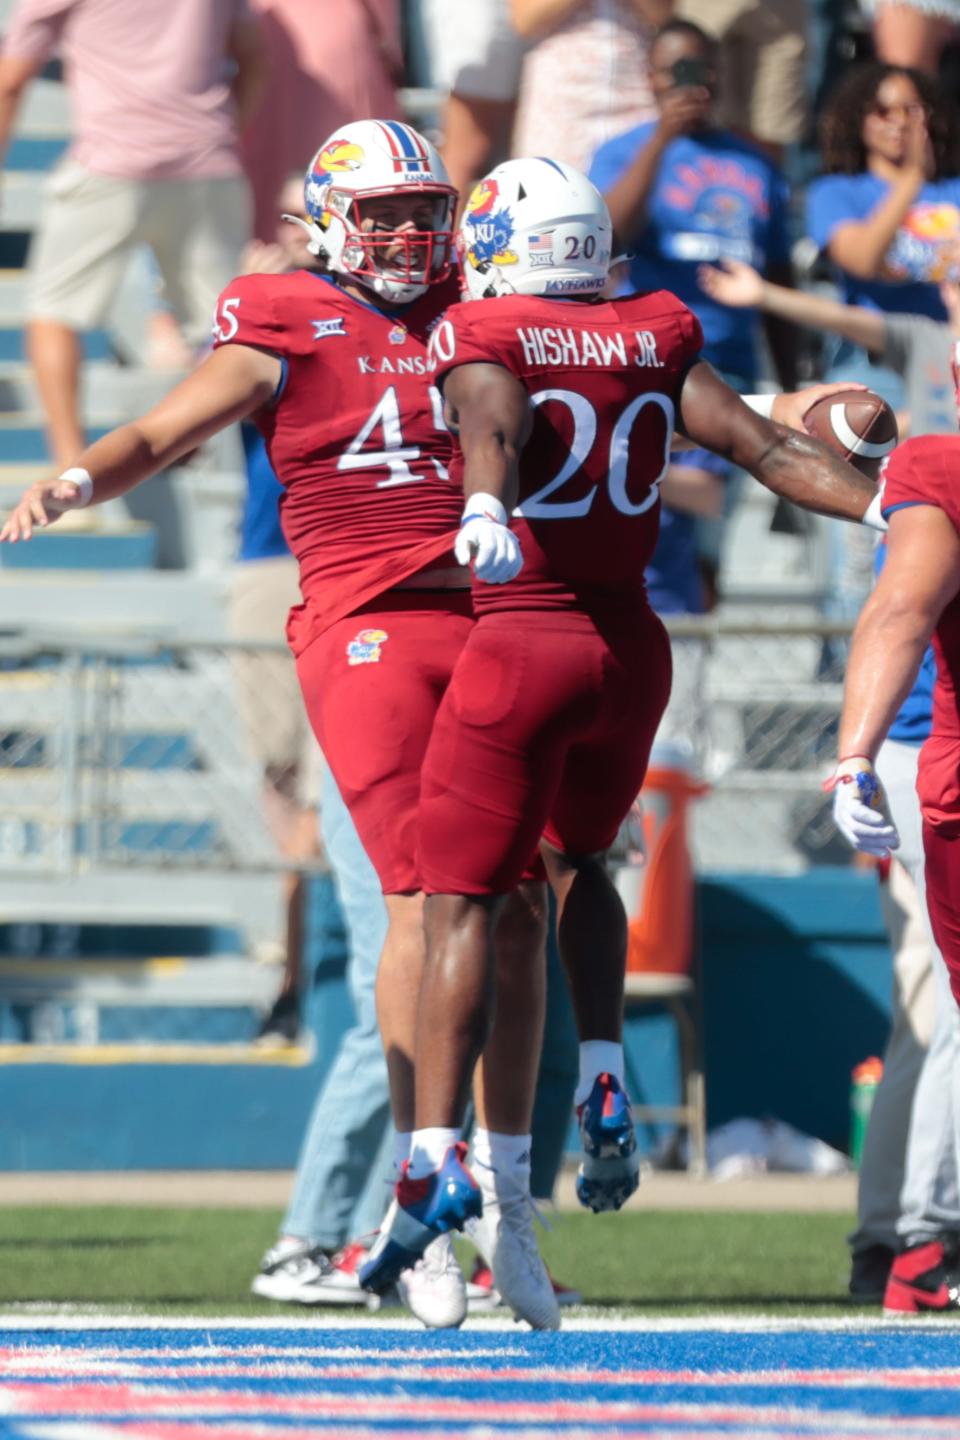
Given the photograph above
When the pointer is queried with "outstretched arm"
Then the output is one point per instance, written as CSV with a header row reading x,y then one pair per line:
x,y
920,577
231,383
736,284
795,466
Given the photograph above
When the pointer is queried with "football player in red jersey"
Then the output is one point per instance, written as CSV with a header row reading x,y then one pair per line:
x,y
331,364
566,403
916,597
333,368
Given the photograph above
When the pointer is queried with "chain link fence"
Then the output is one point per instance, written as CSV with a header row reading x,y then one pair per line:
x,y
145,753
761,715
168,764
154,753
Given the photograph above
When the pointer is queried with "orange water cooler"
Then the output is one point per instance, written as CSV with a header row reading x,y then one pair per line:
x,y
659,898
658,894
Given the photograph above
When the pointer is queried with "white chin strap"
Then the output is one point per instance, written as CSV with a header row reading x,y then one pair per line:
x,y
313,232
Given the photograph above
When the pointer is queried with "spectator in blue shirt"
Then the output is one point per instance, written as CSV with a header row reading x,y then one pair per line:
x,y
679,583
887,209
682,192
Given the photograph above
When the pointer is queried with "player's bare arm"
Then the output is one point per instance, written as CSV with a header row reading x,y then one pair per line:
x,y
233,382
920,576
490,410
790,464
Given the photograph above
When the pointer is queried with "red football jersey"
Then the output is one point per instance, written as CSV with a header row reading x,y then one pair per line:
x,y
604,379
926,471
355,434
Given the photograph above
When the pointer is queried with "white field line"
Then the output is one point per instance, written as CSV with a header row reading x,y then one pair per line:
x,y
72,1318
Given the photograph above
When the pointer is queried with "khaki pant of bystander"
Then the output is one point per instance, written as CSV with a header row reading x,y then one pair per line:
x,y
196,230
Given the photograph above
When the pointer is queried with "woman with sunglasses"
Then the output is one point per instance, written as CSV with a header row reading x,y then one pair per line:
x,y
887,208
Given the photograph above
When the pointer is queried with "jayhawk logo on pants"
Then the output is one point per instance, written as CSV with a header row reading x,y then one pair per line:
x,y
366,648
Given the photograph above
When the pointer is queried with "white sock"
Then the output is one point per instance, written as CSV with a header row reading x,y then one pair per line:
x,y
501,1155
401,1150
597,1057
427,1149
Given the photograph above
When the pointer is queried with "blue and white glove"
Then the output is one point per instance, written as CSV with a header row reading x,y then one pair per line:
x,y
858,807
486,539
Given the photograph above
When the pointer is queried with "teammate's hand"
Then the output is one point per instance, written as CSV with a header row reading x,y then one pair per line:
x,y
40,505
858,807
486,540
732,282
790,407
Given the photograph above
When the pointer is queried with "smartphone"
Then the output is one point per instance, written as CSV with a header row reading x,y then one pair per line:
x,y
692,71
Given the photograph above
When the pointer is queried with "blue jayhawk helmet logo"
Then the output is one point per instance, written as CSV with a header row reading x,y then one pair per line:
x,y
488,230
366,648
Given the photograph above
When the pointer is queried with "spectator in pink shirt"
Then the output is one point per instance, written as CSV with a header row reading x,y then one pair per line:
x,y
159,92
330,62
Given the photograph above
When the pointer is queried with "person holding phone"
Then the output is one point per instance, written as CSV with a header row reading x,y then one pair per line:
x,y
682,192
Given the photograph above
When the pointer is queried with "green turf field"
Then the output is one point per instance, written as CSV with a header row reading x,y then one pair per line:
x,y
648,1263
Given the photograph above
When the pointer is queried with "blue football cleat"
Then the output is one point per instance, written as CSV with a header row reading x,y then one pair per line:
x,y
610,1170
421,1210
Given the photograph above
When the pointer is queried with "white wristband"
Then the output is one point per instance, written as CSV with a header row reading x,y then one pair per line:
x,y
486,506
760,404
83,480
872,516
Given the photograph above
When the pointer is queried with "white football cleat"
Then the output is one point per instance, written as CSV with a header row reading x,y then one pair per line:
x,y
434,1289
505,1237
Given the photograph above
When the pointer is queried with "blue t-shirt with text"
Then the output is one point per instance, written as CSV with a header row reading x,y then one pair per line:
x,y
715,196
261,536
674,577
925,249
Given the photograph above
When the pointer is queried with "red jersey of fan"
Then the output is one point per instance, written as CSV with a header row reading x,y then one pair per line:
x,y
926,471
604,380
355,435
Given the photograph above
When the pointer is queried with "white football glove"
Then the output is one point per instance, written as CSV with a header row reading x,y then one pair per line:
x,y
857,807
486,539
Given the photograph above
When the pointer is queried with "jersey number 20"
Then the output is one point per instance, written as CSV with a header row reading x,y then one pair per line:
x,y
538,507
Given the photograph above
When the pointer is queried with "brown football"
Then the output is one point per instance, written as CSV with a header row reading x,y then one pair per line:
x,y
857,424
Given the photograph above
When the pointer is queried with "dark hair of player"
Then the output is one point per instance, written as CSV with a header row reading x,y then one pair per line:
x,y
841,127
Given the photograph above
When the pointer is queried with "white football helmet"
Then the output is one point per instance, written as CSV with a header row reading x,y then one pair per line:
x,y
534,227
368,160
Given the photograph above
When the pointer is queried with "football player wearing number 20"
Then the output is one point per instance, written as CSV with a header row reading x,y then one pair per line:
x,y
565,404
331,363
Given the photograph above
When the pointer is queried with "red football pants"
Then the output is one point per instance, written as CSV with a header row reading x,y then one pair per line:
x,y
942,851
938,788
372,684
546,730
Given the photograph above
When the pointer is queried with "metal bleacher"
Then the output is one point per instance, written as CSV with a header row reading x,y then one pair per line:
x,y
142,927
